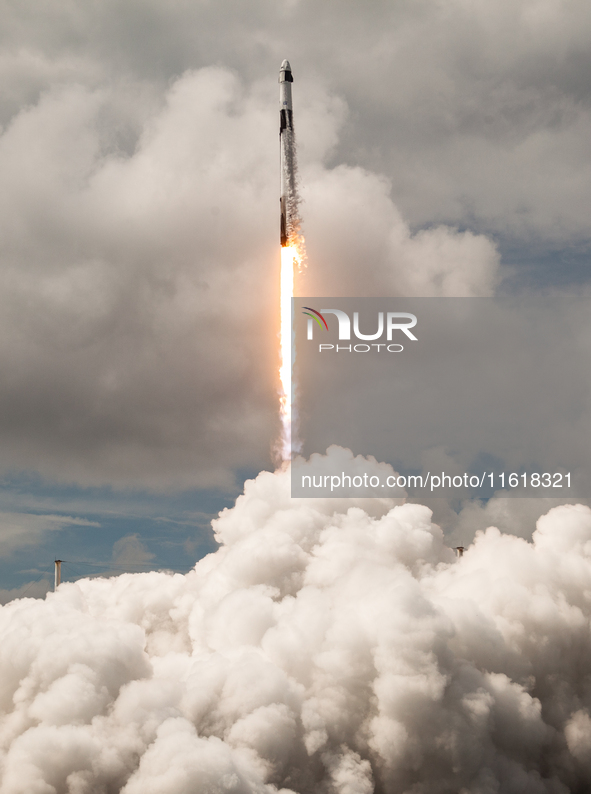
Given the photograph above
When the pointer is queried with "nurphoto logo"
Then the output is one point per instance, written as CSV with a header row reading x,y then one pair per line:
x,y
395,321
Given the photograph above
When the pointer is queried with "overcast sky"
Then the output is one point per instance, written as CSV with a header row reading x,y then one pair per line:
x,y
444,150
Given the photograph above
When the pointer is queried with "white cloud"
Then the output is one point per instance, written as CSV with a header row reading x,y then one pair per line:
x,y
320,646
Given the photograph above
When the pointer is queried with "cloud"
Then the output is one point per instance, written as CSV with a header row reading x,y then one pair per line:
x,y
138,265
139,327
320,647
130,550
18,530
140,288
353,228
477,112
35,589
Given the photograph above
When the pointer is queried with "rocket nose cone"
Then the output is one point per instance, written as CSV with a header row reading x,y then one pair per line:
x,y
285,67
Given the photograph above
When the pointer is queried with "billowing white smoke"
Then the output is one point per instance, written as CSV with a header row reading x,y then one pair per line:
x,y
322,648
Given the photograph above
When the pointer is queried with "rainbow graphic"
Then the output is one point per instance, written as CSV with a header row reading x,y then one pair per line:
x,y
315,316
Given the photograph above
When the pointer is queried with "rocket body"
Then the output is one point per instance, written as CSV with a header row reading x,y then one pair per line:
x,y
288,194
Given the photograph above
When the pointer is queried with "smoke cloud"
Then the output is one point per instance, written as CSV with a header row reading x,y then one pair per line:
x,y
326,646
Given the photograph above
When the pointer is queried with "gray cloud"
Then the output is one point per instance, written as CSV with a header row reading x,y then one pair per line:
x,y
138,265
476,112
131,551
140,291
139,300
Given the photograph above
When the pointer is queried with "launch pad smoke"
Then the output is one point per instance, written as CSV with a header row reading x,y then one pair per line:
x,y
327,646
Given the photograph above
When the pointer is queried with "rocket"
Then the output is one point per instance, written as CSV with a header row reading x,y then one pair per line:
x,y
287,196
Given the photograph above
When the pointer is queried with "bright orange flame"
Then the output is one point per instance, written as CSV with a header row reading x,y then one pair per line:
x,y
289,257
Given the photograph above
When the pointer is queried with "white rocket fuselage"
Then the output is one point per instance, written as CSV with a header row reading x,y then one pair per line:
x,y
286,143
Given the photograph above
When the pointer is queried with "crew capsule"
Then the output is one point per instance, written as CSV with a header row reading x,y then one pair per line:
x,y
285,104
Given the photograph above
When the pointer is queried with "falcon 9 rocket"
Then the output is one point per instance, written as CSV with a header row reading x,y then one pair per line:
x,y
288,196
